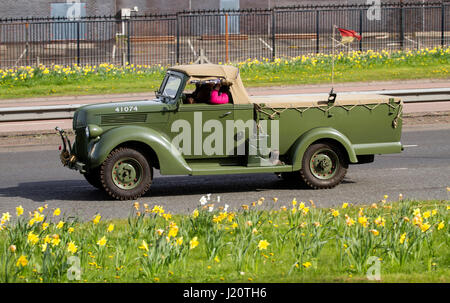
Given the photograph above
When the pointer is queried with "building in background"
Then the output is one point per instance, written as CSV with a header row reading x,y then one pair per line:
x,y
45,8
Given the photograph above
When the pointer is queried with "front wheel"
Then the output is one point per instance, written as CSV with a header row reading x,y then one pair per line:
x,y
93,177
324,165
126,174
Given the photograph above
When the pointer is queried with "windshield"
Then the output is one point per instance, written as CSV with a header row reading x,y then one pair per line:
x,y
171,88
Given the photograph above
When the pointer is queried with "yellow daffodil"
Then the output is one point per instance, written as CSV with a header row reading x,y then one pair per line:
x,y
363,221
344,205
71,247
56,212
56,240
22,261
47,239
71,230
307,264
102,241
32,238
424,227
157,209
349,221
217,259
441,225
380,221
144,246
97,219
263,244
110,228
6,217
403,238
60,225
19,211
374,232
173,230
193,243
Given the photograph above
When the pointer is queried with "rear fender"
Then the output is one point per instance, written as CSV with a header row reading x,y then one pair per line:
x,y
313,135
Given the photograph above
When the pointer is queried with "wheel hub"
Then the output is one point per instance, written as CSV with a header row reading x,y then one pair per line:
x,y
127,173
324,164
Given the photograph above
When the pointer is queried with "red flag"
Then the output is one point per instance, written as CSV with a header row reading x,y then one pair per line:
x,y
350,34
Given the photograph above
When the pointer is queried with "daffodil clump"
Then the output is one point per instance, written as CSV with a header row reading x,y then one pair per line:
x,y
314,67
59,73
263,240
354,59
104,78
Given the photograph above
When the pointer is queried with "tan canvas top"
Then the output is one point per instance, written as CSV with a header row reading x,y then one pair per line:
x,y
210,71
240,96
321,100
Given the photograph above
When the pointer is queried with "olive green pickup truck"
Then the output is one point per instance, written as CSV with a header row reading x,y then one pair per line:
x,y
309,139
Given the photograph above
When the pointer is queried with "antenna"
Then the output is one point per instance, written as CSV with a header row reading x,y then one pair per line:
x,y
332,94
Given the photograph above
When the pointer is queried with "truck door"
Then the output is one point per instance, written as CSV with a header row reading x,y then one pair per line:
x,y
203,127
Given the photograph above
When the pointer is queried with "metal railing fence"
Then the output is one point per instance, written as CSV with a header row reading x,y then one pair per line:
x,y
222,35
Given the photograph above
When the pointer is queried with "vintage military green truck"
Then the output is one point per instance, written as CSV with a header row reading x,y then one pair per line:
x,y
309,139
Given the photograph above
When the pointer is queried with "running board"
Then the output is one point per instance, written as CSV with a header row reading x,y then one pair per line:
x,y
217,169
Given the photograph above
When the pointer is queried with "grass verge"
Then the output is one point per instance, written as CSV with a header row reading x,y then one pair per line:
x,y
265,241
313,69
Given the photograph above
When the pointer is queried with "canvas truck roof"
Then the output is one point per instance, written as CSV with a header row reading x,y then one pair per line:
x,y
208,70
211,71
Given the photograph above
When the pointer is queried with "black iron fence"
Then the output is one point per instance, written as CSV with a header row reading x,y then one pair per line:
x,y
222,36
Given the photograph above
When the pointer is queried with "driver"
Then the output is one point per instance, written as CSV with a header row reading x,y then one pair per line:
x,y
201,93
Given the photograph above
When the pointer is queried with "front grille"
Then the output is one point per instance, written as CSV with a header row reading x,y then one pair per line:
x,y
123,118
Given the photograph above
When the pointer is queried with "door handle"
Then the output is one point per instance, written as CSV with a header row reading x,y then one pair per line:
x,y
225,114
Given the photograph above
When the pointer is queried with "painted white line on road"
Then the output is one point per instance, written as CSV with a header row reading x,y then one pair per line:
x,y
412,145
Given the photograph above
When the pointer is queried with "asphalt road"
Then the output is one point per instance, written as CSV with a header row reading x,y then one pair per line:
x,y
32,176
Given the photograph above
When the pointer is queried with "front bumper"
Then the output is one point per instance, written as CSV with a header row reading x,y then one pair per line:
x,y
68,159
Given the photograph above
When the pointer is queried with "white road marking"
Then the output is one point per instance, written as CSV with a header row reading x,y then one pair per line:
x,y
411,145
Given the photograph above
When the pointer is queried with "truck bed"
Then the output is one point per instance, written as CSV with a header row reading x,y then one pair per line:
x,y
315,100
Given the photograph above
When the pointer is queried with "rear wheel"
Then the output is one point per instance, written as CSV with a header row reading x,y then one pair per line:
x,y
324,165
93,177
126,174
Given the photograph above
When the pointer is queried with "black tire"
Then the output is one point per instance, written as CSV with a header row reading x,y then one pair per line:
x,y
126,174
290,176
93,177
327,169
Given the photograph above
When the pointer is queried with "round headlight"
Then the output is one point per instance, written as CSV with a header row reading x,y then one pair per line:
x,y
87,131
94,131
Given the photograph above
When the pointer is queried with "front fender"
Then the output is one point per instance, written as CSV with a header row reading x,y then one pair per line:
x,y
170,159
305,140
